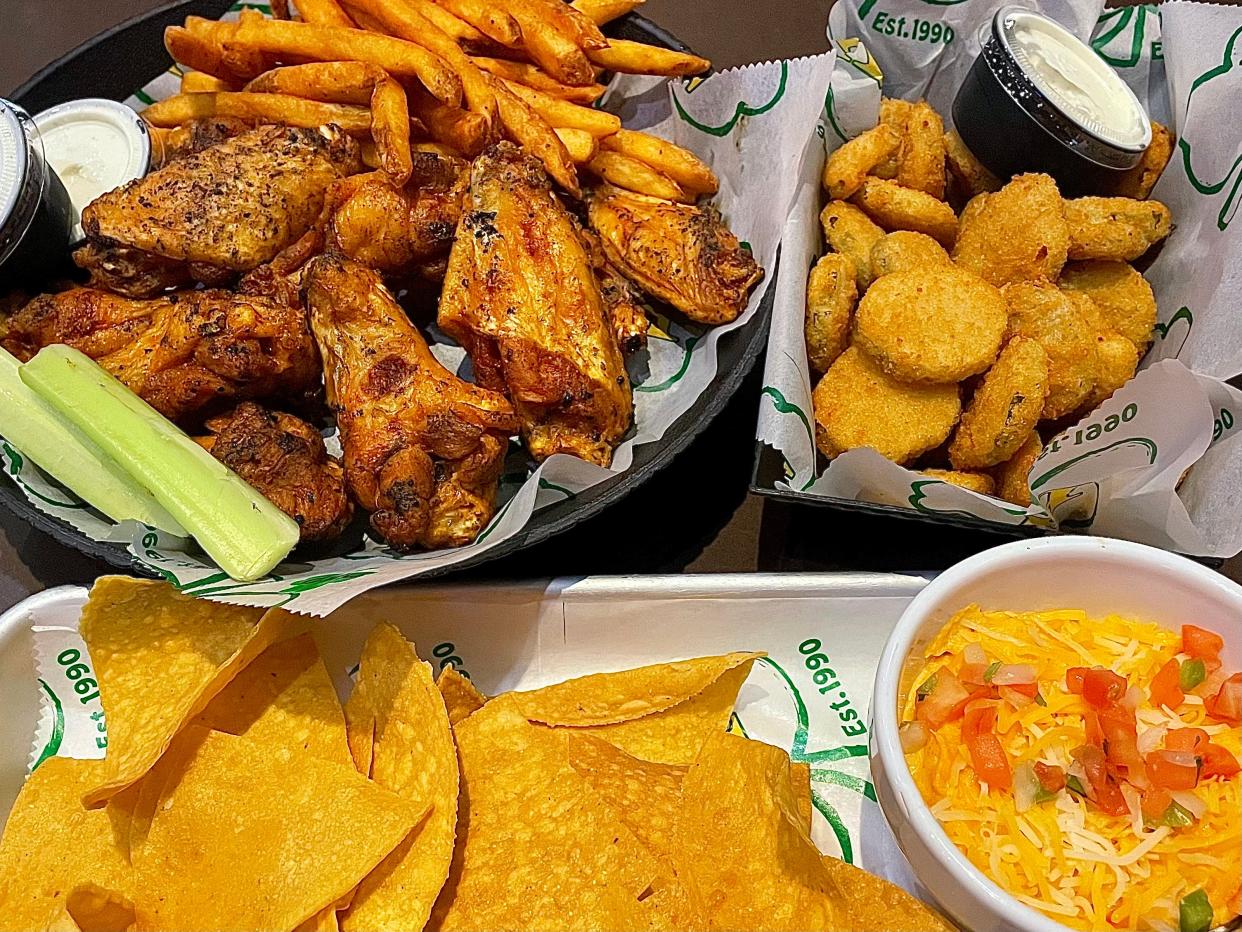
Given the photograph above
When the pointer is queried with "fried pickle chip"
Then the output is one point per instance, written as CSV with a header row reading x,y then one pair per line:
x,y
1139,180
1039,311
540,850
858,405
1123,296
896,208
284,699
831,292
247,838
936,325
971,174
1116,357
605,698
461,697
396,701
800,776
923,156
741,790
979,482
1017,234
161,657
846,168
906,251
894,112
851,232
1005,408
51,843
1011,476
1115,227
865,901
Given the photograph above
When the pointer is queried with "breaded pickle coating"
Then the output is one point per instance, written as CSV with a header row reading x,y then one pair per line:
x,y
896,208
921,164
1017,234
830,298
857,405
849,165
971,174
905,251
1116,358
1139,180
936,325
1011,477
852,233
979,482
1005,408
1115,227
1040,311
894,113
1123,296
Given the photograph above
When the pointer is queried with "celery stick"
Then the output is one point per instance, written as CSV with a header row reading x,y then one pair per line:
x,y
58,448
238,528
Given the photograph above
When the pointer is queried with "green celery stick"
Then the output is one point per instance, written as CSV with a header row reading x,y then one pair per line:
x,y
58,448
238,528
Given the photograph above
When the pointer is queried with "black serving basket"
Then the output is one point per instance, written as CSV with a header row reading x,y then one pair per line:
x,y
115,63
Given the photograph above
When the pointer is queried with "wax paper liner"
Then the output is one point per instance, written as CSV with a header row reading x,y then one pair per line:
x,y
1122,471
71,718
751,125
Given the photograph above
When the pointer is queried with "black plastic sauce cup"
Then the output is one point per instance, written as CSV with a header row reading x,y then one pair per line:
x,y
1017,112
36,215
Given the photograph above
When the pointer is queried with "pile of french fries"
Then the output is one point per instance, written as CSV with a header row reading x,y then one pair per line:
x,y
450,76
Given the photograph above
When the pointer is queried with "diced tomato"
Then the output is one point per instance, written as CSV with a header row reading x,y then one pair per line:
x,y
1074,678
1226,705
1102,788
1218,762
1095,734
1101,688
1166,686
1051,777
1201,643
972,674
1019,695
987,757
945,702
1186,739
1173,770
1120,731
1155,803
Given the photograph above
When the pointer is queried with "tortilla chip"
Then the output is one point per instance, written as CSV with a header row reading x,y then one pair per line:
x,y
800,776
738,800
160,657
96,909
865,901
396,701
675,735
323,921
605,698
248,838
51,844
539,850
284,699
461,698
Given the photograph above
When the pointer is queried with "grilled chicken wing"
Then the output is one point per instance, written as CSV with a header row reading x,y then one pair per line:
x,y
168,145
398,232
215,214
423,449
681,254
285,459
181,352
622,302
521,296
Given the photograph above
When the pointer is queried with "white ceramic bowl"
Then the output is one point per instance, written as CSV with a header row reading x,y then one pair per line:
x,y
1097,575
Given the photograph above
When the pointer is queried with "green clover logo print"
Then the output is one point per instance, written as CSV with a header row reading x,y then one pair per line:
x,y
1212,172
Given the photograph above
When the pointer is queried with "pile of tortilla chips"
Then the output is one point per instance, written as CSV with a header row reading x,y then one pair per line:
x,y
238,794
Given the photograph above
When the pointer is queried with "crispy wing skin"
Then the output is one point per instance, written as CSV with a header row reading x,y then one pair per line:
x,y
195,136
285,459
214,214
681,254
183,353
423,449
622,301
406,231
520,294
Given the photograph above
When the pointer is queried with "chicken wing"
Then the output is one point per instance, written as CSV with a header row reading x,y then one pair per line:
x,y
521,296
622,302
215,214
681,254
423,449
285,459
181,352
399,232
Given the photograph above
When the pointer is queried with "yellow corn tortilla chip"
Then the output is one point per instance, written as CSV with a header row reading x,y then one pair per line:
x,y
96,909
283,699
51,843
865,901
396,701
539,849
461,698
740,848
244,837
605,698
323,921
675,735
800,775
160,658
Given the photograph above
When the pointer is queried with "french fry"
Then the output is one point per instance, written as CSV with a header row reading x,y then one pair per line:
x,y
521,72
463,130
335,43
323,13
436,148
554,51
529,130
199,82
633,175
210,38
683,166
563,114
194,52
452,26
370,155
637,58
564,19
580,144
490,19
261,108
605,11
390,129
